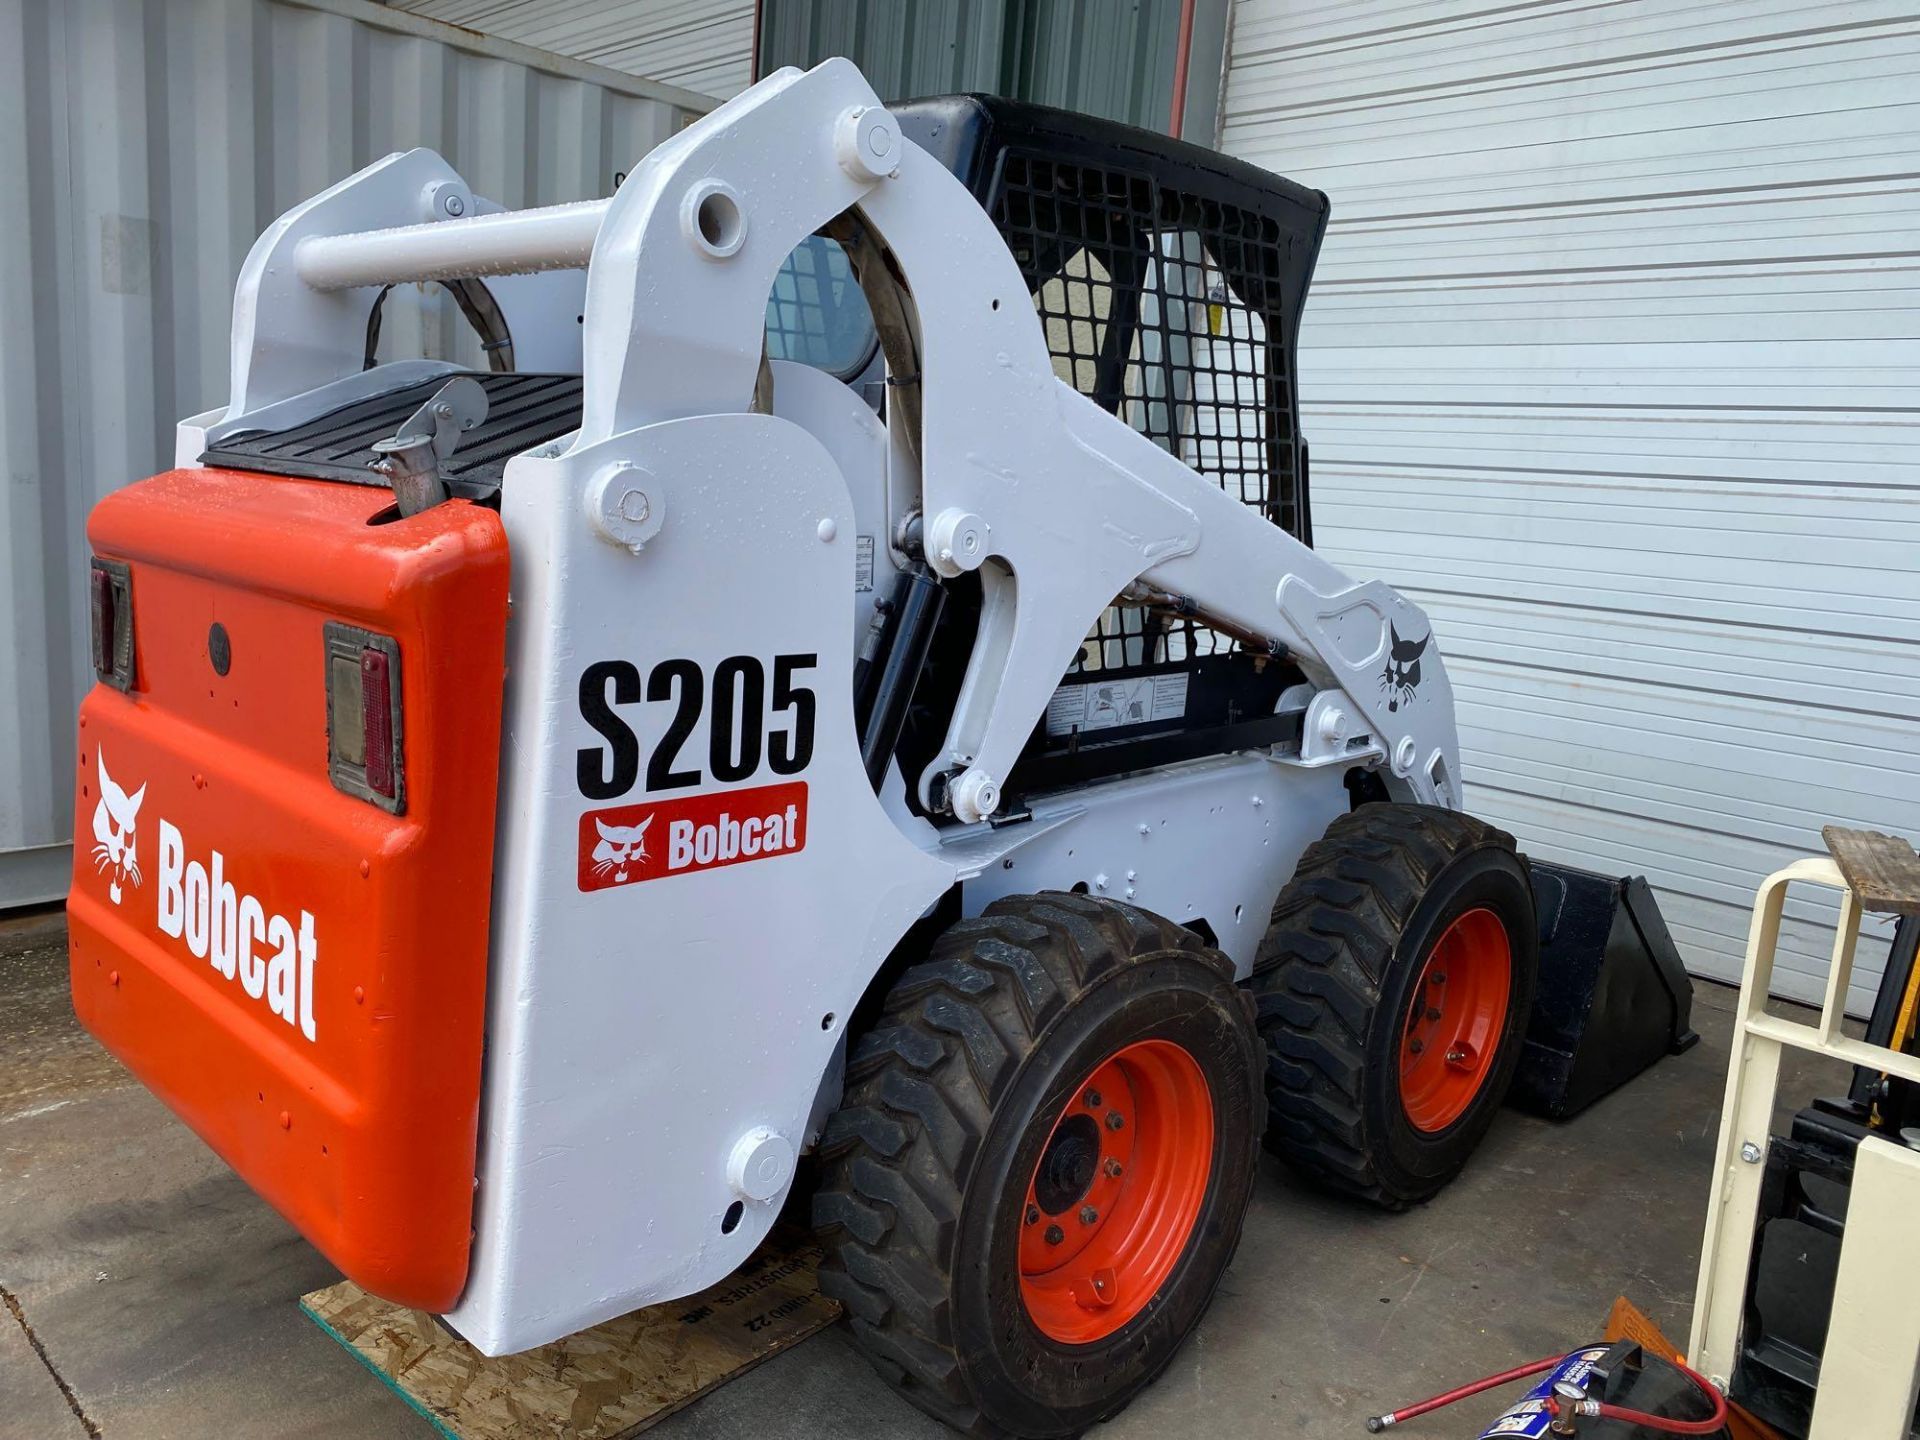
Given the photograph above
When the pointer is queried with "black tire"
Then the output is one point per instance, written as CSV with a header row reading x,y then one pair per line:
x,y
952,1095
1334,982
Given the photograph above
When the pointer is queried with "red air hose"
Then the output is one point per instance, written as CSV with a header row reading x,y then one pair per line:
x,y
1377,1423
1709,1426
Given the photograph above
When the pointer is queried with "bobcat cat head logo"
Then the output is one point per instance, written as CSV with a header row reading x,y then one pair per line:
x,y
113,825
1402,675
620,846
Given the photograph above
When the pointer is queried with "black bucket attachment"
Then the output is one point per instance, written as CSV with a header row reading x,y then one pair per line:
x,y
1613,995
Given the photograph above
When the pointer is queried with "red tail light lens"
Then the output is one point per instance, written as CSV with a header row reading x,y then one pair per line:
x,y
103,619
111,594
365,745
376,718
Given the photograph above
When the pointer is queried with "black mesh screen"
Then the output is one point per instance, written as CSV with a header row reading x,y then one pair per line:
x,y
1158,305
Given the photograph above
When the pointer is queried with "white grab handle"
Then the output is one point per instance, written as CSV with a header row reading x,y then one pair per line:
x,y
514,242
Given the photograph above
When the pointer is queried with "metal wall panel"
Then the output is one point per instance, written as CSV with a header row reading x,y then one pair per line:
x,y
906,51
705,45
1100,57
143,146
1613,361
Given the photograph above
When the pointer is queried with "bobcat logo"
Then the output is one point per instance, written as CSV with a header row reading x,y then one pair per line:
x,y
620,846
1402,675
113,823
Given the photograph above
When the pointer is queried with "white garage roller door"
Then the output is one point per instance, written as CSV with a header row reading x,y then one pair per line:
x,y
1611,362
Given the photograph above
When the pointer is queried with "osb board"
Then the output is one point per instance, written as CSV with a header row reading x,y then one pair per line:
x,y
614,1380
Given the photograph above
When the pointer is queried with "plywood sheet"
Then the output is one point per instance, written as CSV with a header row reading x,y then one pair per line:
x,y
614,1380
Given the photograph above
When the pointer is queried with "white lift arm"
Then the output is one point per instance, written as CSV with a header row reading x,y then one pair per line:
x,y
1059,505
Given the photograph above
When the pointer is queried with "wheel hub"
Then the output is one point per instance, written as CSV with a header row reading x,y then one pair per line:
x,y
1116,1191
1067,1168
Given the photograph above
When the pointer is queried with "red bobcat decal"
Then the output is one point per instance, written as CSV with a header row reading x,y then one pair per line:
x,y
701,832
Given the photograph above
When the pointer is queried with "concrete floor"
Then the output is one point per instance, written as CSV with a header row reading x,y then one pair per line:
x,y
153,1296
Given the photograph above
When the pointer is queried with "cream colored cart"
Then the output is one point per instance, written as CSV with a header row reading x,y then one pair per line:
x,y
1872,1354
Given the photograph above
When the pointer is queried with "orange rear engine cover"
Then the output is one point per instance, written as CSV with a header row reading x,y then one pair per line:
x,y
297,972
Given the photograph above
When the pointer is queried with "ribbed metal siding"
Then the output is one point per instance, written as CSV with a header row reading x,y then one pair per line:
x,y
143,146
705,45
933,48
1100,57
1611,362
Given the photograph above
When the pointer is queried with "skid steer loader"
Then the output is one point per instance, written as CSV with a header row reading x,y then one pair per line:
x,y
849,678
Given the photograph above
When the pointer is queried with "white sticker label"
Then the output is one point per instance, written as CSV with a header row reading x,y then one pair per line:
x,y
862,562
1107,704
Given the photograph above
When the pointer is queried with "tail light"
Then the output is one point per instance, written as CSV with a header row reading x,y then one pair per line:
x,y
365,756
112,607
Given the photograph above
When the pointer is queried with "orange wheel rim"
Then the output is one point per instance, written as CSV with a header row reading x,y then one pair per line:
x,y
1117,1191
1453,1023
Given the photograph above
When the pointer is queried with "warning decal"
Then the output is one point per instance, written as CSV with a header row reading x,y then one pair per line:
x,y
1091,705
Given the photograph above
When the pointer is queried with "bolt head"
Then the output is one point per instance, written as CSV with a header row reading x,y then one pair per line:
x,y
1456,1057
1416,1045
1055,1235
1092,1097
1114,1169
1088,1214
1750,1153
1033,1214
1433,1012
1115,1120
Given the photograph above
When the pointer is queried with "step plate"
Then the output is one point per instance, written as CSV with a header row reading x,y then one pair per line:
x,y
523,411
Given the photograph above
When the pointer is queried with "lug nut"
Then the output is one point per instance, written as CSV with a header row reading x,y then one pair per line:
x,y
1033,1214
1113,1169
1088,1214
1433,1012
1093,1099
1055,1234
1456,1057
1416,1046
1115,1120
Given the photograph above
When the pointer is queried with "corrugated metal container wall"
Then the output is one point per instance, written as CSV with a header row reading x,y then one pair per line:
x,y
930,48
1098,57
1612,361
705,45
143,147
1115,58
